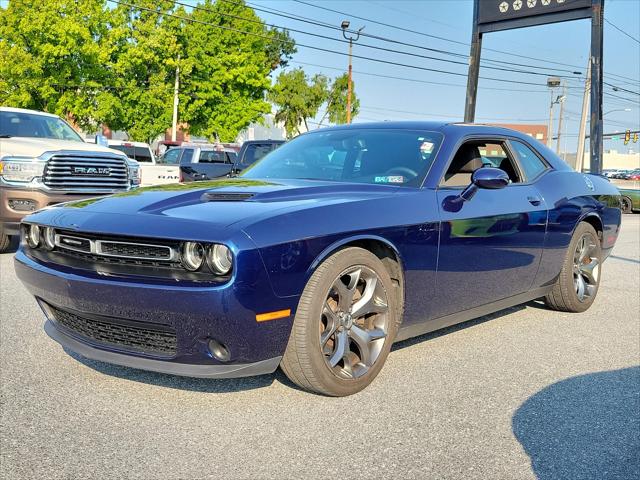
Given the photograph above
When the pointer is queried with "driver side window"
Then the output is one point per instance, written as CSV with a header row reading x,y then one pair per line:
x,y
475,154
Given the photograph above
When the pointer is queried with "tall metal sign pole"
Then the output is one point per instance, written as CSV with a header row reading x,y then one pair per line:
x,y
497,15
595,139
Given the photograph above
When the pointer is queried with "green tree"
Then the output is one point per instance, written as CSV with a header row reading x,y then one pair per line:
x,y
54,57
146,42
97,64
297,98
226,73
337,100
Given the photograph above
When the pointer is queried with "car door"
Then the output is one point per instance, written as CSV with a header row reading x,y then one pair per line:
x,y
490,246
211,164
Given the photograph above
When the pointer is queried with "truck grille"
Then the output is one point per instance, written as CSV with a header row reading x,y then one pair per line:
x,y
98,172
136,336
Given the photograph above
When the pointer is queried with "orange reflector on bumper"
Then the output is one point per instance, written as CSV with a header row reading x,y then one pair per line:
x,y
263,317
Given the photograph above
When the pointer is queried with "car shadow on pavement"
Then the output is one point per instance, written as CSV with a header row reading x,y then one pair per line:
x,y
586,426
203,385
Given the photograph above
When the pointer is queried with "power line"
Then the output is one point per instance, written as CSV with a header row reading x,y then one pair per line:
x,y
377,60
415,80
376,47
622,31
385,39
416,32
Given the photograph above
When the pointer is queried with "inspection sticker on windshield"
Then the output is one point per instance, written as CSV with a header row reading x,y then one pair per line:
x,y
390,179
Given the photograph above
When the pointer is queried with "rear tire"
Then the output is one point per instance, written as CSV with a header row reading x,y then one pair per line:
x,y
577,285
346,321
626,205
5,243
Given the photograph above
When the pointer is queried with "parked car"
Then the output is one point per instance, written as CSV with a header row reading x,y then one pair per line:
x,y
321,255
253,150
43,161
634,175
630,200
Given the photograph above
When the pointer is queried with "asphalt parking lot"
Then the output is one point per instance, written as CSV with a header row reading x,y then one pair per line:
x,y
524,393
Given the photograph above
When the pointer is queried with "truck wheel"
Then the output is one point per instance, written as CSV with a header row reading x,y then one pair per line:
x,y
345,324
578,282
5,242
627,205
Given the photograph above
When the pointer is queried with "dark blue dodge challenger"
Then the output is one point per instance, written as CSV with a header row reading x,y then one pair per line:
x,y
322,254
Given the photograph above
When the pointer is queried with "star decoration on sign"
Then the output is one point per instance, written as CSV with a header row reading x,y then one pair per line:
x,y
545,2
517,5
531,3
504,6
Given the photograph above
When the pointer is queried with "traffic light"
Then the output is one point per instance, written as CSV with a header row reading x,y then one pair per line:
x,y
635,137
627,136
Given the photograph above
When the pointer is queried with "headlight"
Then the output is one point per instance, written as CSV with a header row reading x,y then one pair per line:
x,y
134,173
21,170
33,236
192,255
49,238
219,259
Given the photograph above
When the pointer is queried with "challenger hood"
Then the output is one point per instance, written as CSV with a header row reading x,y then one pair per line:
x,y
211,206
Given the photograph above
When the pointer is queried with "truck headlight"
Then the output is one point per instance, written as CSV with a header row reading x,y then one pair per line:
x,y
134,173
21,169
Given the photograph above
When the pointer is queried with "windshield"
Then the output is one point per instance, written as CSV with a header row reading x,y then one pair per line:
x,y
141,154
20,124
382,156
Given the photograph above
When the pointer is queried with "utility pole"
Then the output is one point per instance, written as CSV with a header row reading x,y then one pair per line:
x,y
345,25
582,133
550,123
474,69
176,90
560,120
552,83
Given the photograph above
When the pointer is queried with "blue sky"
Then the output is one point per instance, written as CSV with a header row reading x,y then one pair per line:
x,y
394,99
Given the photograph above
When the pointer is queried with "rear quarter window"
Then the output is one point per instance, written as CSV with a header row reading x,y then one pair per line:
x,y
530,163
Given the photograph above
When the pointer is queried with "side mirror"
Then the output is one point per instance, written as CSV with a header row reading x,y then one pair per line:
x,y
489,178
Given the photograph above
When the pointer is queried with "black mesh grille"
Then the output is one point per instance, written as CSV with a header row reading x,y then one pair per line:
x,y
133,250
143,337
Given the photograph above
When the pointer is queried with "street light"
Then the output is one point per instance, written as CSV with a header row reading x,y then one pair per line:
x,y
345,25
552,83
617,110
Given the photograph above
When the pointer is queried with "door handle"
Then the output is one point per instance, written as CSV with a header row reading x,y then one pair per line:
x,y
535,201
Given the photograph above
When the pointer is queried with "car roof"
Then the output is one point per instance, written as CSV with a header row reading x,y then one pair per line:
x,y
25,110
448,127
127,142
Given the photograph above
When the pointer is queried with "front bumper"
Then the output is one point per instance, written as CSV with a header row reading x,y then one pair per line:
x,y
10,217
196,312
187,370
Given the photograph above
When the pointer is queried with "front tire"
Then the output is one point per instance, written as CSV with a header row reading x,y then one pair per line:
x,y
626,205
5,243
346,321
577,285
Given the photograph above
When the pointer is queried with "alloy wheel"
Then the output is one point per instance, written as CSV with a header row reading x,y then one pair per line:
x,y
354,322
586,267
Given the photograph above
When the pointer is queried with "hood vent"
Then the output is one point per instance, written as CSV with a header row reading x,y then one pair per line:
x,y
226,197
